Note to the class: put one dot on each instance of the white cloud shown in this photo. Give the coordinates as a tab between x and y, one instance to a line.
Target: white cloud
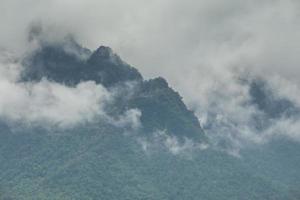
130	119
201	47
54	104
162	140
51	102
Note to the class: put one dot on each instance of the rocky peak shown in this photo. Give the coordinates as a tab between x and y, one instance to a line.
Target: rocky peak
162	108
103	52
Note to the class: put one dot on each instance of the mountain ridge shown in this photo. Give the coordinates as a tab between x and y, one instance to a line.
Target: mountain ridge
154	98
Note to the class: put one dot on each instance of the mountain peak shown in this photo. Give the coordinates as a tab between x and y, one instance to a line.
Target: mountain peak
69	63
104	51
105	54
158	82
162	108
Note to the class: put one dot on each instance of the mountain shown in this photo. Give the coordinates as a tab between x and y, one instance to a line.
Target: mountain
162	108
274	107
69	63
167	157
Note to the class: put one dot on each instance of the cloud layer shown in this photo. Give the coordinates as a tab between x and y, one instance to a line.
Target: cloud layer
54	104
202	47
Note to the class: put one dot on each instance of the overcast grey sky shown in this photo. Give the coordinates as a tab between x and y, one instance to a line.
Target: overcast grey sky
171	38
199	46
